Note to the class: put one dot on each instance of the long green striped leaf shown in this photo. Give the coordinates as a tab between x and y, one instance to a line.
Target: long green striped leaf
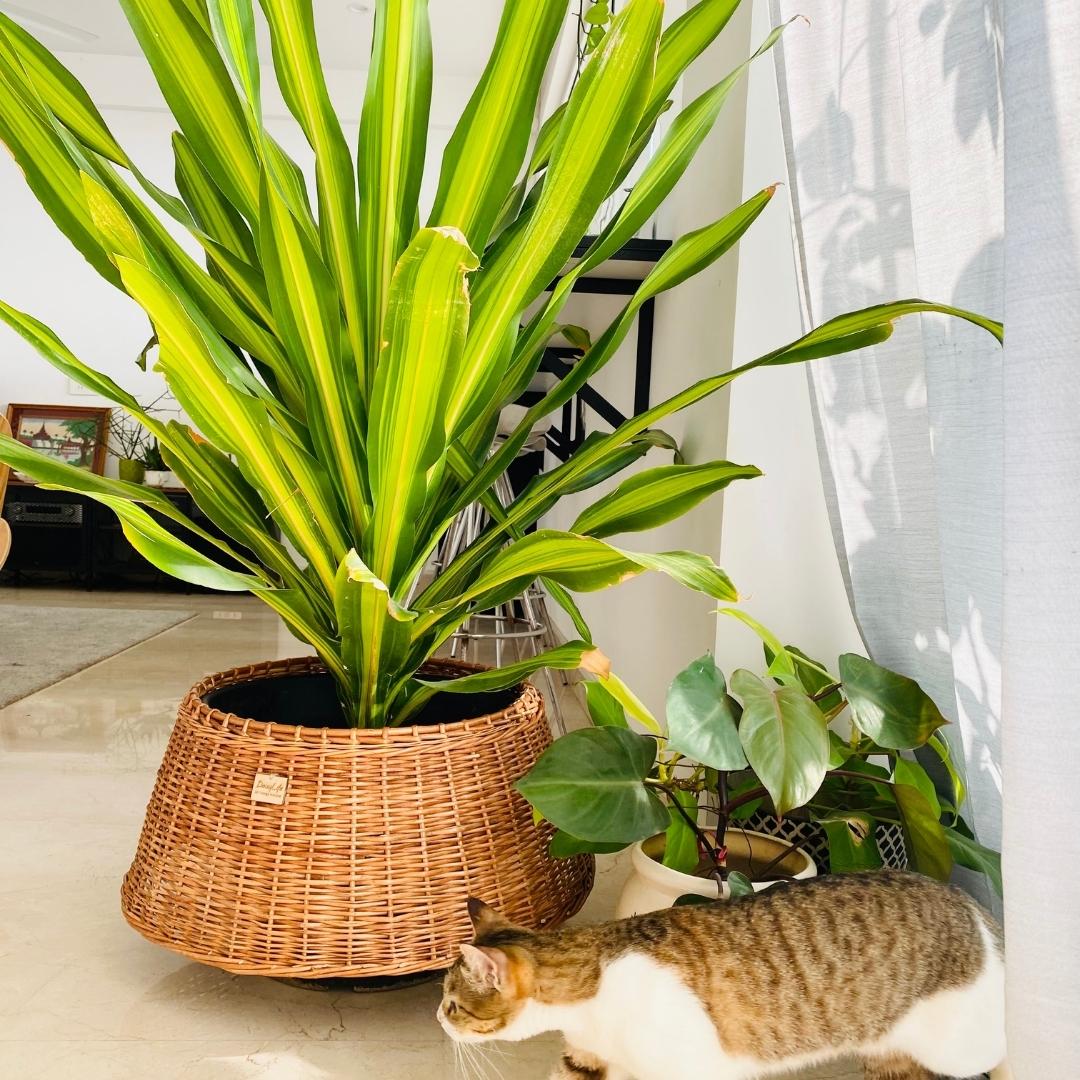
566	657
602	113
656	496
231	503
375	634
300	76
62	358
196	84
680	45
426	324
688	255
846	333
302	621
671	160
41	155
62	92
390	166
304	299
683	42
121	239
232	24
233	420
158	546
208	296
214	214
488	145
585	564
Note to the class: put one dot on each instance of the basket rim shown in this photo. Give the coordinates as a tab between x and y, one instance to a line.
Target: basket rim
194	710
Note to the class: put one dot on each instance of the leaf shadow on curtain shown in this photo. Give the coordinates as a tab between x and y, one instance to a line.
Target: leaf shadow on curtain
910	437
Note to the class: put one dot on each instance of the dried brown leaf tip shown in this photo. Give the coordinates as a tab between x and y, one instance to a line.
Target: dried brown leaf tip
596	663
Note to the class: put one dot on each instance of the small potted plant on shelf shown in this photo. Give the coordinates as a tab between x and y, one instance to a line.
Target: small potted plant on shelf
128	443
681	793
158	473
343	367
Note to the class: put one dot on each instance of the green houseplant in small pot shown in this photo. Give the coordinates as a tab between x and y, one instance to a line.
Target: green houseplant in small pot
343	367
731	745
157	471
128	443
886	738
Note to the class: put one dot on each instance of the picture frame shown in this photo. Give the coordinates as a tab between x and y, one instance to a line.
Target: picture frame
74	434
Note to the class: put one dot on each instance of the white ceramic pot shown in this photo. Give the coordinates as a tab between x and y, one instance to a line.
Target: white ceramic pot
652	886
162	478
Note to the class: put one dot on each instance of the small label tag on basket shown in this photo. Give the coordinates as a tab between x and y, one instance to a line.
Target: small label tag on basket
269	788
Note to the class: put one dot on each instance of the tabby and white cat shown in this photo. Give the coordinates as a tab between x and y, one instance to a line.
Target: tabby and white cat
892	967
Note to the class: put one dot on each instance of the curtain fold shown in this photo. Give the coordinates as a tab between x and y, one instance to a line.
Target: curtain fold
893	124
952	469
1042	538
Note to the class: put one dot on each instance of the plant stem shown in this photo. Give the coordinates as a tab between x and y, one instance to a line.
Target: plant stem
722	808
702	839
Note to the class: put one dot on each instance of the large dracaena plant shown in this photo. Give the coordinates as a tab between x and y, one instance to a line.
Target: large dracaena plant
342	366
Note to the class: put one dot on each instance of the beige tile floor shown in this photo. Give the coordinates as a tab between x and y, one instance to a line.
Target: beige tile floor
81	994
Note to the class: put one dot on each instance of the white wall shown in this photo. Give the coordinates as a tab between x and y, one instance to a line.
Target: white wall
777	545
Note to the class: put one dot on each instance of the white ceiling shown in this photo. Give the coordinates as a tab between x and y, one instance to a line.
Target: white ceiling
462	30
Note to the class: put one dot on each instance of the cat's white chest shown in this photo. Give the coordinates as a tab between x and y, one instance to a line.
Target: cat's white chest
641	1013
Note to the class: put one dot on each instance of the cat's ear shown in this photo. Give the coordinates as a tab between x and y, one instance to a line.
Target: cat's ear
484	919
488	967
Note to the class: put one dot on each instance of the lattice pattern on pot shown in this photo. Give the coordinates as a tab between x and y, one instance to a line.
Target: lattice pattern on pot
812	838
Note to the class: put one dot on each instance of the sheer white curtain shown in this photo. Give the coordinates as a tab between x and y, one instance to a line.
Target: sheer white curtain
952	469
1042	537
893	125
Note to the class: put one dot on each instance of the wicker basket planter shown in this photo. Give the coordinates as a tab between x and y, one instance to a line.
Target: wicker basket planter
365	866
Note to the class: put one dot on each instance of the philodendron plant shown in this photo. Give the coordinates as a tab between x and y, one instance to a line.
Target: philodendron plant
731	746
343	366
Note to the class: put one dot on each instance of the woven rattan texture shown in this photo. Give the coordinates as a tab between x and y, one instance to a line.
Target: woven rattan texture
366	867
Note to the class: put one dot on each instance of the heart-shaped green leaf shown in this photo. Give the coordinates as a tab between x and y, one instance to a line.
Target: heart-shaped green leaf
590	784
702	717
785	738
563	846
911	772
891	708
972	855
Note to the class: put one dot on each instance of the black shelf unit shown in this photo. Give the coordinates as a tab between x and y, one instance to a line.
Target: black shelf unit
62	536
567	434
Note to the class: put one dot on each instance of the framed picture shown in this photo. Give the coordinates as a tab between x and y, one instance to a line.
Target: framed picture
74	434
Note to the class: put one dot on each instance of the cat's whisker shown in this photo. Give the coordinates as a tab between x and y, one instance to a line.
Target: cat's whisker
469	1058
488	1051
